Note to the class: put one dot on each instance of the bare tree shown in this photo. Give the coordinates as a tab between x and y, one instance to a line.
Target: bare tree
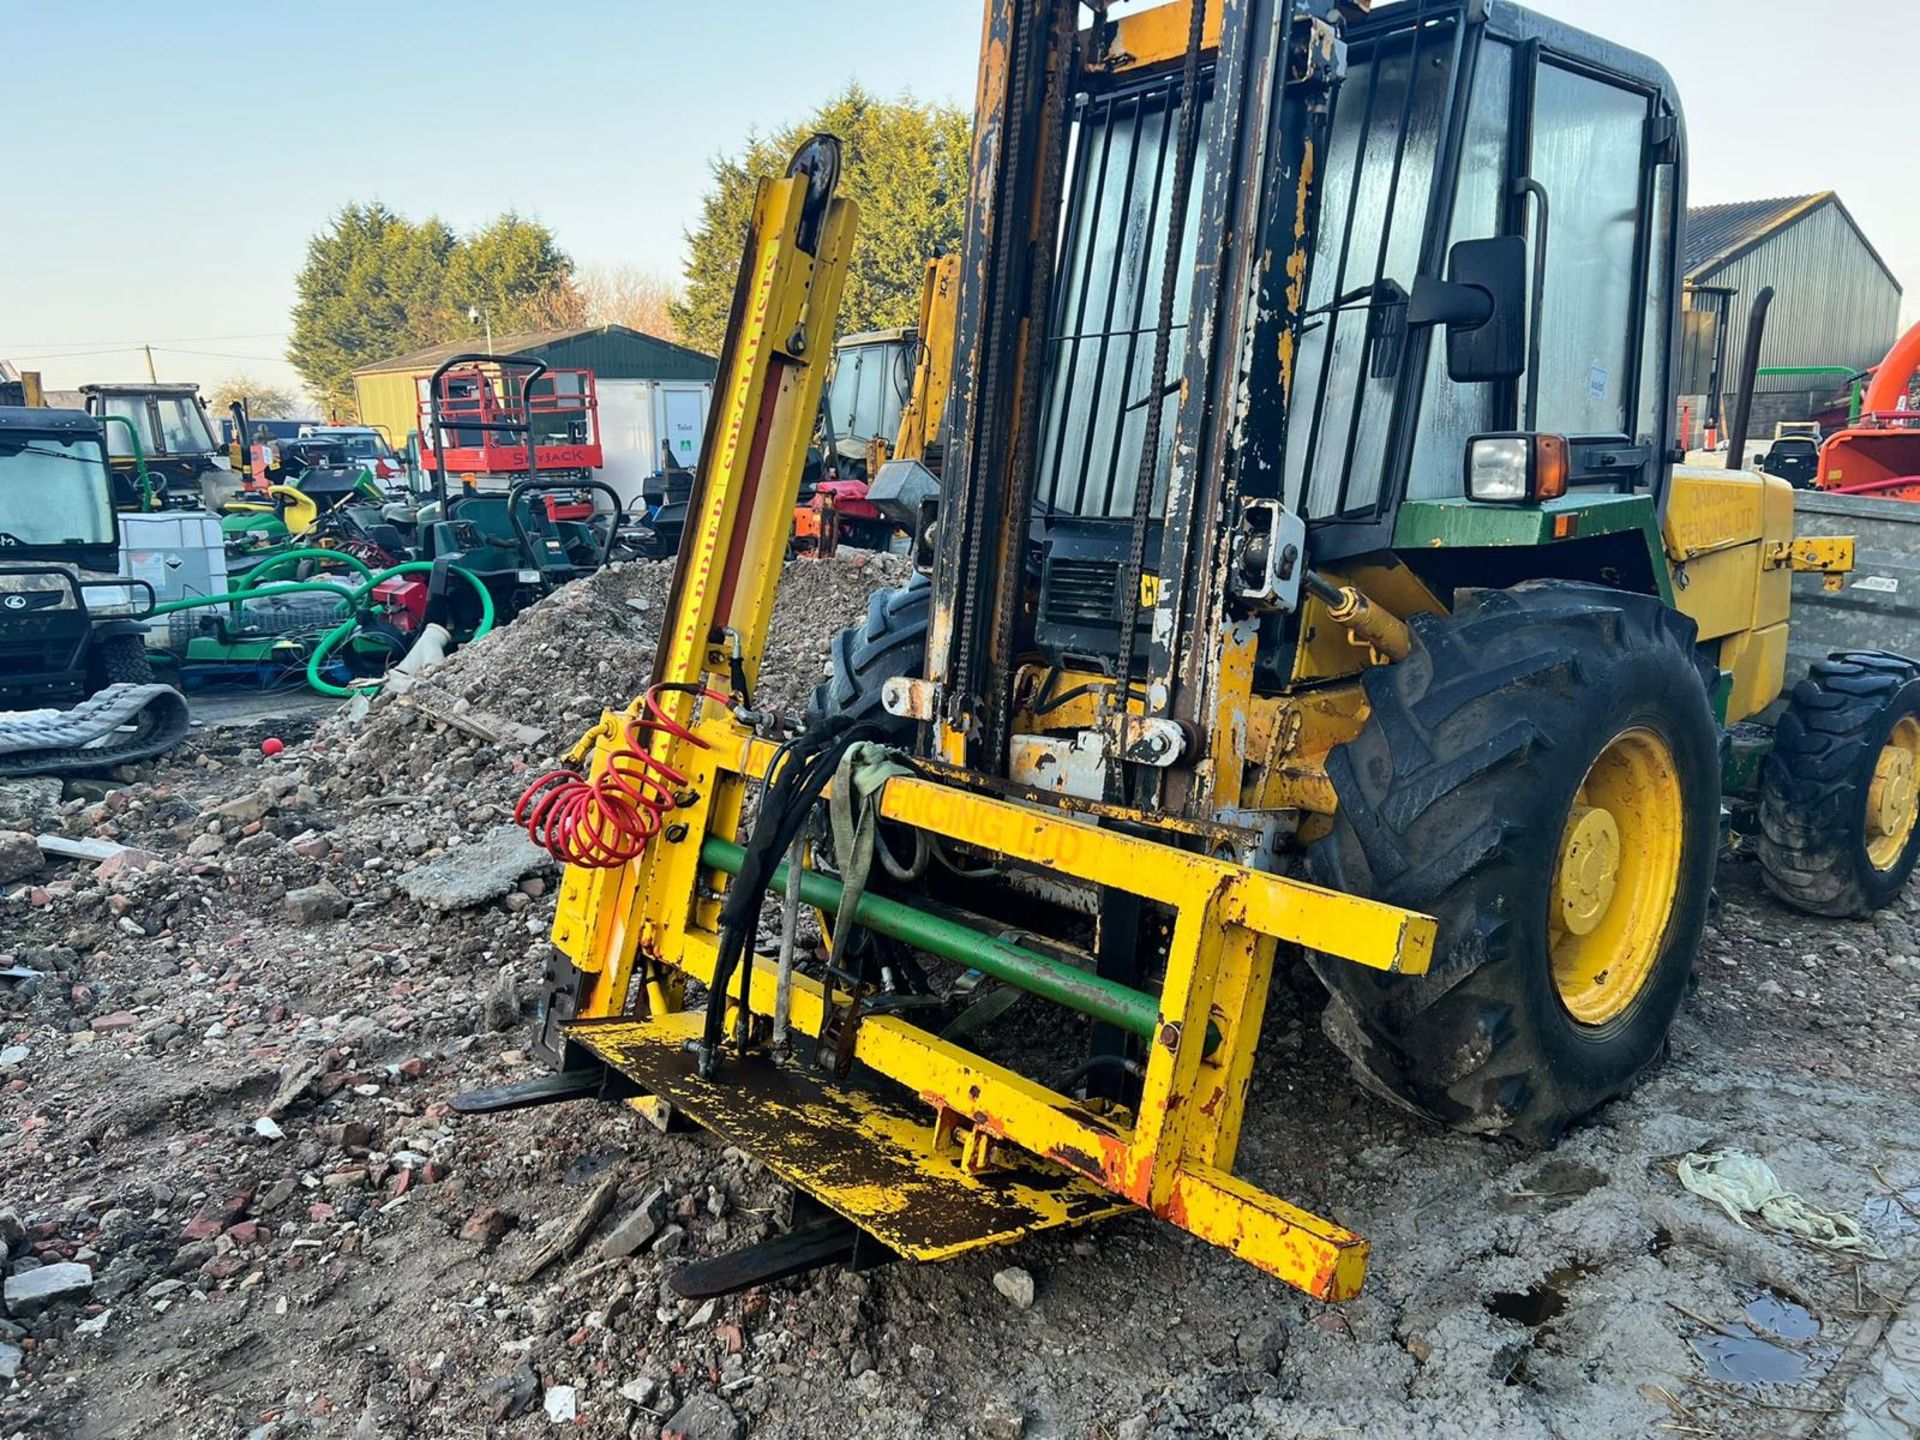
264	402
628	295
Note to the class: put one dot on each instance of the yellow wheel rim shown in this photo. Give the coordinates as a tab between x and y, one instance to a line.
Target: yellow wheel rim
1893	800
1617	875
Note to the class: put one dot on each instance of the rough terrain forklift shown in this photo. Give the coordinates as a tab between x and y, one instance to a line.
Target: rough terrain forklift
1313	574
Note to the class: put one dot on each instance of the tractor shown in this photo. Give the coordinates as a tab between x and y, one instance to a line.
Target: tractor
1313	575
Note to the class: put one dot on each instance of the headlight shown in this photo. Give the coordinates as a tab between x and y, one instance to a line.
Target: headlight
1497	469
1516	469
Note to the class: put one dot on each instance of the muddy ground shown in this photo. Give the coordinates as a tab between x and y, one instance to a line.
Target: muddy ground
223	1092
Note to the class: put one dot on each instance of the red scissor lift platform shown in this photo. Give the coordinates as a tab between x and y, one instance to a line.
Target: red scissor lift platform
480	435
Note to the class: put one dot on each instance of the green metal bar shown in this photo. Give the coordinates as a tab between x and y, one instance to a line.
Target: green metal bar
139	458
1126	1009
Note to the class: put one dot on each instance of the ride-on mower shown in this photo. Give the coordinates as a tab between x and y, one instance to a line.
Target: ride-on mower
1328	590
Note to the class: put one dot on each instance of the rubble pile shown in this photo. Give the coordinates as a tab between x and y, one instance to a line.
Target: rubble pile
236	995
465	739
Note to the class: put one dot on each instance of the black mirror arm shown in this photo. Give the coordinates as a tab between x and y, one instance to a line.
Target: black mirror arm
1446	302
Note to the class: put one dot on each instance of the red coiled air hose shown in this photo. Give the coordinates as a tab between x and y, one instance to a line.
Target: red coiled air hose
604	822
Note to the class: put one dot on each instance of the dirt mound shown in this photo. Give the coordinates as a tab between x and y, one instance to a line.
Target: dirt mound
518	699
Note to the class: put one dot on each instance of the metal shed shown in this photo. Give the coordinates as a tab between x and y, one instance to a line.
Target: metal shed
1836	302
652	391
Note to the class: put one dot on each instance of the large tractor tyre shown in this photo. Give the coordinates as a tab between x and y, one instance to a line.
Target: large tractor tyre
118	660
890	645
1840	794
1542	776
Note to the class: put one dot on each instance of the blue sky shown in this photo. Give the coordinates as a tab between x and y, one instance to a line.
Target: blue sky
187	152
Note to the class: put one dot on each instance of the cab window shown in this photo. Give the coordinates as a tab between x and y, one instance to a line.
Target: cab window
1588	152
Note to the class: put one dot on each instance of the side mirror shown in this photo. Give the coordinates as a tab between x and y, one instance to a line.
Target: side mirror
1483	304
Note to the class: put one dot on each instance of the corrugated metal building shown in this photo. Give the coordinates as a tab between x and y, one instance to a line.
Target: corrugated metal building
1836	303
651	391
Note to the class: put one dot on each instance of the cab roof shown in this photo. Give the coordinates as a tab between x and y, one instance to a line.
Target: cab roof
39	418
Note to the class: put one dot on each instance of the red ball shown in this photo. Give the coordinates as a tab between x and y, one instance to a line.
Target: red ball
272	745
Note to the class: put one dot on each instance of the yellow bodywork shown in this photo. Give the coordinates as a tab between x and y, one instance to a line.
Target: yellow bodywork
1048	1159
1729	539
926	406
297	509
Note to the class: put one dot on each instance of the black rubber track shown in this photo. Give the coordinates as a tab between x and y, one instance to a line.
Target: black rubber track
156	729
1453	802
1814	786
890	644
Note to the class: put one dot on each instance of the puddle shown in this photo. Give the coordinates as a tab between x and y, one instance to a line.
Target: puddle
1541	1304
1662	1241
1746	1359
1532	1308
1780	1316
1554	1184
1769	1349
1893	1217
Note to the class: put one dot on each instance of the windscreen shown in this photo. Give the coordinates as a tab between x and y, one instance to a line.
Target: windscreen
183	426
1113	253
365	447
132	409
53	491
1389	126
870	385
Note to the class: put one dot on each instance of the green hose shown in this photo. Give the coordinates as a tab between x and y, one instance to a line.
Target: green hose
234	597
258	573
350	598
345	629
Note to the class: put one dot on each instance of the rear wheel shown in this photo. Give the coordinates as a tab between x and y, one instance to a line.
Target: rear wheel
1541	776
1840	794
118	660
891	644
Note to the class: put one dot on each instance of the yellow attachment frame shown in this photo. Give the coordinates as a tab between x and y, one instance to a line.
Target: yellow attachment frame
1045	1158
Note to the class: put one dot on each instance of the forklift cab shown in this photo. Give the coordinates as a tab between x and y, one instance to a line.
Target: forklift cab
185	463
1489	256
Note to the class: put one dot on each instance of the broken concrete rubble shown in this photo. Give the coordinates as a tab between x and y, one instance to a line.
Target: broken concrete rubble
475	874
27	803
20	856
316	904
28	1292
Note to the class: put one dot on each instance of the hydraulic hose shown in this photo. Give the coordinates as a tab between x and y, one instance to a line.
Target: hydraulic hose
259	572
